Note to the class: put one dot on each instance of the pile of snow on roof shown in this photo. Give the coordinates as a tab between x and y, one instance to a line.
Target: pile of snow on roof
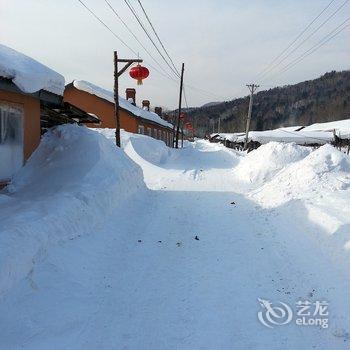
28	74
123	103
319	133
341	127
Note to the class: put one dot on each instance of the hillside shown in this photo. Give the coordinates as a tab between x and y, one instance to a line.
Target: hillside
320	100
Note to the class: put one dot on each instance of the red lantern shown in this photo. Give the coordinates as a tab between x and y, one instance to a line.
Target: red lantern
139	73
188	126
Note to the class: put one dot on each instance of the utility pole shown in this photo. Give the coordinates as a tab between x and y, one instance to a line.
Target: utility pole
174	129
180	101
117	74
252	88
182	134
219	125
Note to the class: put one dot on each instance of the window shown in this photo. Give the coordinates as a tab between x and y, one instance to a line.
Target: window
154	133
149	132
141	129
164	136
159	134
11	139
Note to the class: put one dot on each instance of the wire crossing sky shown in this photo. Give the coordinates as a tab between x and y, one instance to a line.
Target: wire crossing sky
223	43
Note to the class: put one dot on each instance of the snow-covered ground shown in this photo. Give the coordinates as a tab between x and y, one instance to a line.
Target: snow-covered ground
182	263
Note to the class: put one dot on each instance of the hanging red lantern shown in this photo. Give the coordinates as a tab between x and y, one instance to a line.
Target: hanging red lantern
139	73
188	126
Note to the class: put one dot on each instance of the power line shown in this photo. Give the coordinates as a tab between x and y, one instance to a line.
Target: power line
184	90
204	92
122	41
322	42
135	53
308	37
156	34
107	27
133	11
136	38
295	40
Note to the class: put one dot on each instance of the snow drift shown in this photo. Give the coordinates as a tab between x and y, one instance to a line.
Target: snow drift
323	170
69	185
265	162
146	148
139	147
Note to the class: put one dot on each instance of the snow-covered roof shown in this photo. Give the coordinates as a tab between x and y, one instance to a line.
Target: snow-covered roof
341	127
28	74
281	135
320	133
123	103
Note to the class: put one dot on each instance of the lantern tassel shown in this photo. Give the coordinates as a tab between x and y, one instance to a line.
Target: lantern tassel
139	81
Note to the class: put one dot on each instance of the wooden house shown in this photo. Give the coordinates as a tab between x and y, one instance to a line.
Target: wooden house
100	102
31	100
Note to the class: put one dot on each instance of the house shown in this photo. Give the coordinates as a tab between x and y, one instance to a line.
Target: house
31	100
100	102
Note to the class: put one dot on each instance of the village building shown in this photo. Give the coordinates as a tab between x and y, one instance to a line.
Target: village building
100	102
31	100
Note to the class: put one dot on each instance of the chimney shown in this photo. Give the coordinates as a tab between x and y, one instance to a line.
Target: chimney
131	95
145	104
158	110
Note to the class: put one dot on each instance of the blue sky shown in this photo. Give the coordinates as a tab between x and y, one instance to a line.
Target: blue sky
224	44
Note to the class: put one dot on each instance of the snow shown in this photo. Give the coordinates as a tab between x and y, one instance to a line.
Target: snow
323	170
123	103
68	186
265	162
341	127
28	74
134	276
282	135
320	133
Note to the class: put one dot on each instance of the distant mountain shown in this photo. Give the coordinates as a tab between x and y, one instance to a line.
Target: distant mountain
210	104
320	100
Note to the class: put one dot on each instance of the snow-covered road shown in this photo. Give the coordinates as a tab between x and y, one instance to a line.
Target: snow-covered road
180	266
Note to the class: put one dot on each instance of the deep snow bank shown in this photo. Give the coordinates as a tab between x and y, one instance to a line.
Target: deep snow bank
146	148
138	147
323	170
265	162
69	185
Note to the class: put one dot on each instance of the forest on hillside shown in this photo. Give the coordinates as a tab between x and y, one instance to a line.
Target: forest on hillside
320	100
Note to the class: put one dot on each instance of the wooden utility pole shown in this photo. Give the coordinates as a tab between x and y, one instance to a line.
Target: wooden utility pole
174	129
180	101
117	74
252	88
182	134
219	123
